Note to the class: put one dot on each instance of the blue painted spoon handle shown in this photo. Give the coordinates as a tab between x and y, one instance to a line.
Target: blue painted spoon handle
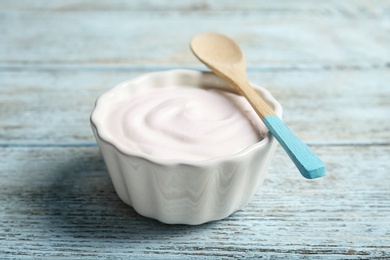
304	158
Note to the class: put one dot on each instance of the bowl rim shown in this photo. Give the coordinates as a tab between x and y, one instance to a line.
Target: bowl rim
164	161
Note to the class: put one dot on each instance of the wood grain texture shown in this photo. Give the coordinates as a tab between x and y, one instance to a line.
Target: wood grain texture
59	202
279	40
348	9
326	62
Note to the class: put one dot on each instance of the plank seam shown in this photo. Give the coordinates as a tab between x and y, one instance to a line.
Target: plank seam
127	67
45	144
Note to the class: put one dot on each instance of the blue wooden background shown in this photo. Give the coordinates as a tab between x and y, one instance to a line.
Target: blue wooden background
327	62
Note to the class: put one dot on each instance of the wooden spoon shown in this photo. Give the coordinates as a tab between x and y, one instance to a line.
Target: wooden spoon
225	58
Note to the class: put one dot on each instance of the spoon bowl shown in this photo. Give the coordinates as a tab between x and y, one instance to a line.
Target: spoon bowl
226	51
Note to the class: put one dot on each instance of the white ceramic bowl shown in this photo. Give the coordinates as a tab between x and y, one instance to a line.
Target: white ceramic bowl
179	191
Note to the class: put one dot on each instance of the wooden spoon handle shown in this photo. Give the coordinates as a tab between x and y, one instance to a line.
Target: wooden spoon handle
235	75
305	159
259	105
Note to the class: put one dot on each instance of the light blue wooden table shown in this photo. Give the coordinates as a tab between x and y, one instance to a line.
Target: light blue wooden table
327	62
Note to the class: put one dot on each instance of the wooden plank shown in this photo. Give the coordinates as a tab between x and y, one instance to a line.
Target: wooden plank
320	106
348	9
119	38
59	202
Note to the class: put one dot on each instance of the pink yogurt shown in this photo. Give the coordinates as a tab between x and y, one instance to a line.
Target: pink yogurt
180	122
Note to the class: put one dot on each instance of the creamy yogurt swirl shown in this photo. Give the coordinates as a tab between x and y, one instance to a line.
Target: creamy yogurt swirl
181	122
